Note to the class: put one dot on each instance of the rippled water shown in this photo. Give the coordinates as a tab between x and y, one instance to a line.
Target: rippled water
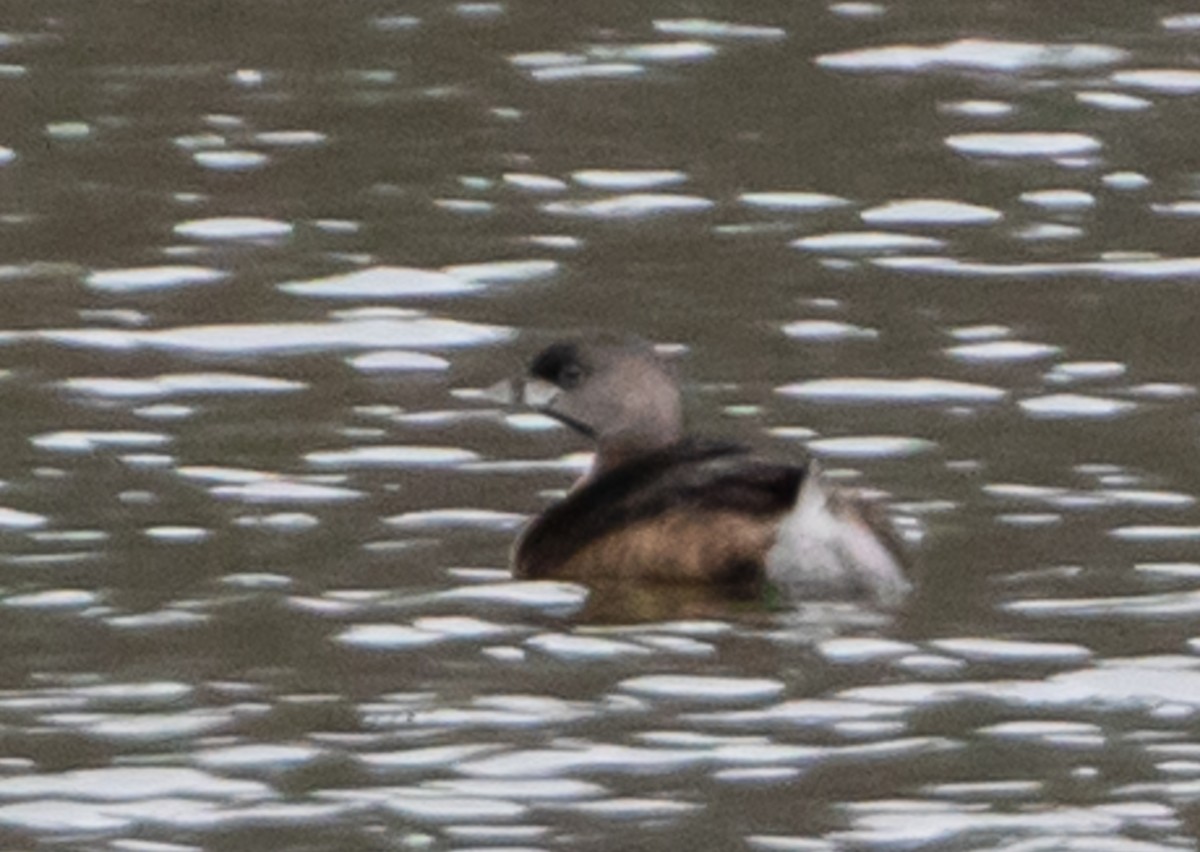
258	259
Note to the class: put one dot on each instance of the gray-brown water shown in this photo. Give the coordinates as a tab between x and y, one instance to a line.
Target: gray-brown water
255	259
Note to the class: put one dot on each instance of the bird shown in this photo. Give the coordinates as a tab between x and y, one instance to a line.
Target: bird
659	506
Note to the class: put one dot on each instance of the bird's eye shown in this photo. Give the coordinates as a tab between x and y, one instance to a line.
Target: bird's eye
570	376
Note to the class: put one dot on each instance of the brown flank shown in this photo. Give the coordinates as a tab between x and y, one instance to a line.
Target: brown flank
684	546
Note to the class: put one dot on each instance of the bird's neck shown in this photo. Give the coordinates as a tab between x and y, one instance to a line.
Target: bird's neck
616	451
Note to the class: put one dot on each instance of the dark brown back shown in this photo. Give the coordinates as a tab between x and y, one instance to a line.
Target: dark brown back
687	478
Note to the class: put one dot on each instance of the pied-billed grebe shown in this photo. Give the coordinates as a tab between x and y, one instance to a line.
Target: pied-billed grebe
659	506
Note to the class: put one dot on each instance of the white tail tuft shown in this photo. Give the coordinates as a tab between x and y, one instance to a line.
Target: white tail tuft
828	546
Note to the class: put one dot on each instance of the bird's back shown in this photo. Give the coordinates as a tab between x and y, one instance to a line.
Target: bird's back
693	512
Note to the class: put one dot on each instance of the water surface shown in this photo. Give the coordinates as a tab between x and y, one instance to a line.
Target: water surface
255	263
